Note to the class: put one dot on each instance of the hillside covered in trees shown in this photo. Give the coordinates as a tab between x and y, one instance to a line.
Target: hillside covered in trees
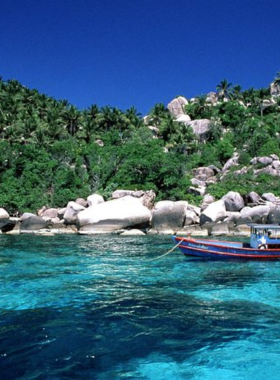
51	152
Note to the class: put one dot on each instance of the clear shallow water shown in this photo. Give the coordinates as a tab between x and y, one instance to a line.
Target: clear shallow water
81	307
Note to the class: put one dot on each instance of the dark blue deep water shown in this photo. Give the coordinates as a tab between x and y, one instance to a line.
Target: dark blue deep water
82	307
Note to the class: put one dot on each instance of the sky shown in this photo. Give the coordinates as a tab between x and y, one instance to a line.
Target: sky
125	53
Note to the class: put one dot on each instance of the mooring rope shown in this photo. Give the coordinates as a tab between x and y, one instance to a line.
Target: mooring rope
167	253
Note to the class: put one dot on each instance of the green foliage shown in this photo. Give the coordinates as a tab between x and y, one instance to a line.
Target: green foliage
50	153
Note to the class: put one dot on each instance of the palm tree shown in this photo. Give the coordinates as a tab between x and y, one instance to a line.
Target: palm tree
223	89
157	113
73	120
236	92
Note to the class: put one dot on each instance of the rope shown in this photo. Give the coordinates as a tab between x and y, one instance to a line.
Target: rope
167	253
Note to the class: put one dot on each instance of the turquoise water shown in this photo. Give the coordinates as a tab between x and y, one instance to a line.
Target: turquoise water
82	307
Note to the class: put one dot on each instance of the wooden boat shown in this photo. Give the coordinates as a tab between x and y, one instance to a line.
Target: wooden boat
264	244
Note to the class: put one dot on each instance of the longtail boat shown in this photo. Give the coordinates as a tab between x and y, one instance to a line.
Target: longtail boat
264	244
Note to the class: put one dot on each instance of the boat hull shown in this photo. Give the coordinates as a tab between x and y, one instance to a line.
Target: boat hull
223	249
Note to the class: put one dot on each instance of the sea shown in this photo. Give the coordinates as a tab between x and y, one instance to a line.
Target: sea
111	307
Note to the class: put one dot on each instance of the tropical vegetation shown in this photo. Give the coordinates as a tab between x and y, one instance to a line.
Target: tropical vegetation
52	152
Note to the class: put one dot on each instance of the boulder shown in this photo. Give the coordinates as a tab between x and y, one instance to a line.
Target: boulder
232	216
61	213
276	164
220	229
212	98
231	162
82	202
4	218
214	213
203	172
200	190
274	214
265	160
32	223
270	197
253	197
266	170
133	232
194	230
177	106
257	214
25	215
72	210
94	199
274	89
146	197
49	213
113	215
191	218
233	201
168	216
201	128
183	119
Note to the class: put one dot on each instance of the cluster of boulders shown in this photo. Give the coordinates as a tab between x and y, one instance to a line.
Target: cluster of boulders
135	212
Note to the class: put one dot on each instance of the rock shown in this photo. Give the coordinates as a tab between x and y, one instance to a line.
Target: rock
193	230
233	201
274	89
214	213
99	143
61	213
266	170
215	169
211	180
276	165
82	202
25	215
274	157
183	119
270	197
32	223
230	163
257	214
265	160
72	210
201	128
133	232
49	213
200	190
254	161
168	216
154	130
191	218
4	219
212	98
197	182
220	229
241	230
113	215
94	199
274	214
253	197
7	225
232	216
146	197
203	172
177	106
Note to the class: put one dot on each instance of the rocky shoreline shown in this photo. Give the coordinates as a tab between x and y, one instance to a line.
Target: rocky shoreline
136	213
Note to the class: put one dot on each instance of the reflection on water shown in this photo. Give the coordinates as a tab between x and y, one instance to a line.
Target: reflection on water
84	307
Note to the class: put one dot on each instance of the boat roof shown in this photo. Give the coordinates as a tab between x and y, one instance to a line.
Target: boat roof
264	226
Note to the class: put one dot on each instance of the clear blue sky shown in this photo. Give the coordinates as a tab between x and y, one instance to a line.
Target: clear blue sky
138	53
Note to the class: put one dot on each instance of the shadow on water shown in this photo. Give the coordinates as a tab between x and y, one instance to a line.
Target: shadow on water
85	309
